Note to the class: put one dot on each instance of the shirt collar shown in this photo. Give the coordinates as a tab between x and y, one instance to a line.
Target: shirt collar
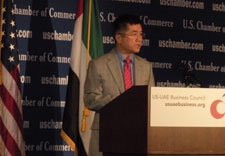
122	57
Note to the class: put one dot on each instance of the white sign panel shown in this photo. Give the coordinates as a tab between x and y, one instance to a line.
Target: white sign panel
187	107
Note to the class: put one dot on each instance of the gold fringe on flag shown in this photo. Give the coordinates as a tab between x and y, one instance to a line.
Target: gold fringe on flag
1	35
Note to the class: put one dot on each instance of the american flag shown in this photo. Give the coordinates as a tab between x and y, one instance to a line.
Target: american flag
11	114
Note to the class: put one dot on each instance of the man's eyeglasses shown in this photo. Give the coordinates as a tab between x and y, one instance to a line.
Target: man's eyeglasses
133	34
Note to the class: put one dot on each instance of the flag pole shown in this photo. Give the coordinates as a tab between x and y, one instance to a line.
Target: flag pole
89	25
87	112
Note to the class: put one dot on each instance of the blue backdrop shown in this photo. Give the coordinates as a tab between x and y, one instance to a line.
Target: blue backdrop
185	40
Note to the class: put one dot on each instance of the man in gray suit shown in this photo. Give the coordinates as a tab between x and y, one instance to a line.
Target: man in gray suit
106	75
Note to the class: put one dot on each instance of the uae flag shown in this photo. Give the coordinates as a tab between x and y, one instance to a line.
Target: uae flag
87	44
11	114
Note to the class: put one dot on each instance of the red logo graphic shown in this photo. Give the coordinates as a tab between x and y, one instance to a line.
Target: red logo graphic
214	110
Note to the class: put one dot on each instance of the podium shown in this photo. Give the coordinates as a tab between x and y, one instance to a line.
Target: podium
125	131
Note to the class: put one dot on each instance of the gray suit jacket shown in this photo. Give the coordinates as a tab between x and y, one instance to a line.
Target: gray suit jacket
104	81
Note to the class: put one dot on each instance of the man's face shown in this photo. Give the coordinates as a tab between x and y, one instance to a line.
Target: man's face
130	41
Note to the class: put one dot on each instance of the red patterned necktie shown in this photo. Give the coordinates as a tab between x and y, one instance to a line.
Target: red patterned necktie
128	73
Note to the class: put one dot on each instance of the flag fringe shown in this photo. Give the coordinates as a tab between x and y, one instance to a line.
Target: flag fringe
1	20
69	141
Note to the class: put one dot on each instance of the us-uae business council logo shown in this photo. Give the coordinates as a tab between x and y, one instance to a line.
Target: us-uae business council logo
216	109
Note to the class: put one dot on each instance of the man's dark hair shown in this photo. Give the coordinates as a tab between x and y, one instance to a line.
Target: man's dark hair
121	22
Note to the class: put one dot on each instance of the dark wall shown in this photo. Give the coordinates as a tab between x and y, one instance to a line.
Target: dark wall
184	40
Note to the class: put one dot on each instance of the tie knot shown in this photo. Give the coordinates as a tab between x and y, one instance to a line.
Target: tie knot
128	60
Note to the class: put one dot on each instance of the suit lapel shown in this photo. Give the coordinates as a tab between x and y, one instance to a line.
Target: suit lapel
138	71
114	67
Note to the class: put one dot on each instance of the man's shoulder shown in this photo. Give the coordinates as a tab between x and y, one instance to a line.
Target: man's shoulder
105	57
141	59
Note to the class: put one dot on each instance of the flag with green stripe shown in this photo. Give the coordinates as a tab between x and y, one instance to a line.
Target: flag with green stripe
87	44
